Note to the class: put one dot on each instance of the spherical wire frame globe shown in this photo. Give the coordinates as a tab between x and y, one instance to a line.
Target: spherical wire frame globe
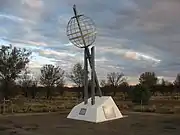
88	31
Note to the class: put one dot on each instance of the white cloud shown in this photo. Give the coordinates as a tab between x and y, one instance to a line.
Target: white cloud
33	3
129	54
15	18
140	56
138	35
38	61
52	52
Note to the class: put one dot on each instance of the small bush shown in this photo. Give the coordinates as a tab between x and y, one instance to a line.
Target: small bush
140	94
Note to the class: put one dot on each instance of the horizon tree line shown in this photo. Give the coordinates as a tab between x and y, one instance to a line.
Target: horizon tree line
14	71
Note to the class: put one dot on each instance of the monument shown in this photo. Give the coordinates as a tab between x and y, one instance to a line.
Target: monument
81	32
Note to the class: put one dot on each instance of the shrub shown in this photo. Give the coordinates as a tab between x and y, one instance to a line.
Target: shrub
140	94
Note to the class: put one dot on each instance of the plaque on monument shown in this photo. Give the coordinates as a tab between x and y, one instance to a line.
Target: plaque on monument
82	111
109	112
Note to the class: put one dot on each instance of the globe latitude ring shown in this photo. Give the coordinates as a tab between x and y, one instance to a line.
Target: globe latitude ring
87	26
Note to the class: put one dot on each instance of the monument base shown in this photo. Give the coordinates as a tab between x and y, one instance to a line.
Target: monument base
104	109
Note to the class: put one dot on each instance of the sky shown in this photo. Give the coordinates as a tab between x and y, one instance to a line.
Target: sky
133	36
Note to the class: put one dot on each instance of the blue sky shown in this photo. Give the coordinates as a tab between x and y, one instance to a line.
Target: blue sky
133	36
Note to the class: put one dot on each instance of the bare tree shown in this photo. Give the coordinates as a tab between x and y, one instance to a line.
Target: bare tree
51	76
177	83
115	79
12	61
103	83
77	75
148	79
26	81
165	82
34	87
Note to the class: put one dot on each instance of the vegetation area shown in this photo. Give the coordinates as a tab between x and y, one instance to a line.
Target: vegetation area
21	92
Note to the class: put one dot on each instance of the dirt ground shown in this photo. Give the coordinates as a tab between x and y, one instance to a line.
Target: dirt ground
56	124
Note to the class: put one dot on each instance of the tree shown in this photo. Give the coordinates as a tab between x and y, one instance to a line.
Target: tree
51	76
26	81
124	86
148	79
165	82
125	89
140	94
34	87
164	86
77	75
103	83
12	61
177	82
115	79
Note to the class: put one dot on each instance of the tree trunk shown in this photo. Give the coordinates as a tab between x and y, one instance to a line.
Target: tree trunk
48	94
6	90
114	93
25	92
33	93
79	95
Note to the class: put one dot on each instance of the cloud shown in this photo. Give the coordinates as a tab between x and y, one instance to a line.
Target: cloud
33	3
25	42
140	56
38	61
15	18
133	36
52	52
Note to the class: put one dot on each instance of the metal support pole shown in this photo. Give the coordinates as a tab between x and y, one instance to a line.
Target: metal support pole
88	56
85	78
77	19
92	77
96	79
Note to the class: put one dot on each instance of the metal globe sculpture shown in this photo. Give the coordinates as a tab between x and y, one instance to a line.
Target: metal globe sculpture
81	31
87	28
